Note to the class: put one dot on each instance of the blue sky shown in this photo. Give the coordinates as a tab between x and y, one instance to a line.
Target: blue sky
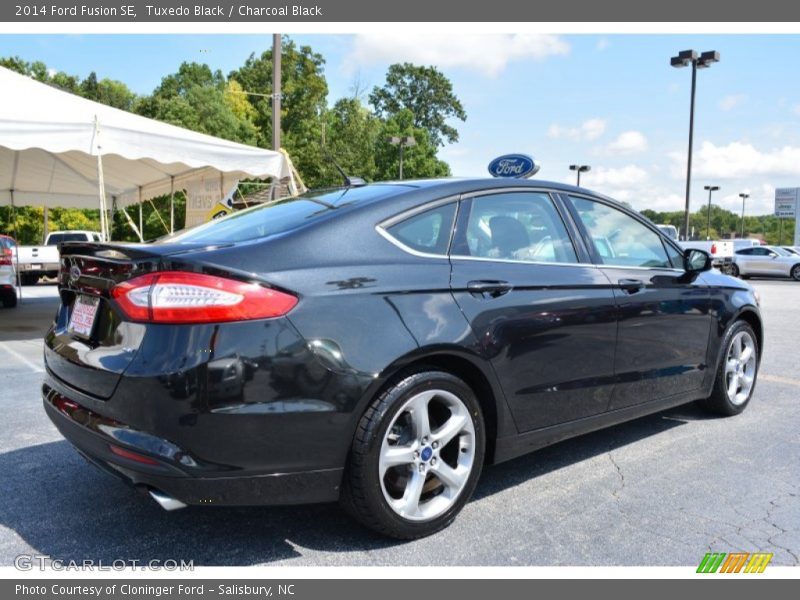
611	101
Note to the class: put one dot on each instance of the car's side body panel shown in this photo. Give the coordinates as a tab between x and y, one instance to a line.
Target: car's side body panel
279	400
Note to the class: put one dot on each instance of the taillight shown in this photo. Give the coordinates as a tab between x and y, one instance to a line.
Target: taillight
5	258
713	248
178	297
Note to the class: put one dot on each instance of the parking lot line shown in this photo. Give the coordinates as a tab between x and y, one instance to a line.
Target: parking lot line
779	379
32	365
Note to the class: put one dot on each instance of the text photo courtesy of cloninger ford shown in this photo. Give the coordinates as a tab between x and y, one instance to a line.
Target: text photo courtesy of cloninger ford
399	299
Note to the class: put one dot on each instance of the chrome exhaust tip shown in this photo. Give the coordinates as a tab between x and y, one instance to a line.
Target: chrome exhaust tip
166	502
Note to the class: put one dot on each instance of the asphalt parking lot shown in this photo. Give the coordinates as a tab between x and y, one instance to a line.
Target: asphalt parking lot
662	490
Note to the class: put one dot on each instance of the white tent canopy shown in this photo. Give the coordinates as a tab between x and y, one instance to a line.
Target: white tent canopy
57	148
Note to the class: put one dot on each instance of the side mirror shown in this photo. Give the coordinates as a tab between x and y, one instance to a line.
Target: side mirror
696	261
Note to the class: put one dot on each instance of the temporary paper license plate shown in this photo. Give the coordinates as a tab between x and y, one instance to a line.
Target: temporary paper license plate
36	267
81	322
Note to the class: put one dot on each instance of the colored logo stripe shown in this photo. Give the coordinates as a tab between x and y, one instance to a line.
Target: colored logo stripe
734	562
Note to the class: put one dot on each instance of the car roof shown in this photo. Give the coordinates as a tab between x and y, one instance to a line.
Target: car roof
486	182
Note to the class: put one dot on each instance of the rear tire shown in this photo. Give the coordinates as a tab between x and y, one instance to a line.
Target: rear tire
795	272
737	372
734	270
10	300
416	457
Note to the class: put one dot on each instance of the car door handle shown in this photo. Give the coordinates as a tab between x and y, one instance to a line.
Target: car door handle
631	285
494	289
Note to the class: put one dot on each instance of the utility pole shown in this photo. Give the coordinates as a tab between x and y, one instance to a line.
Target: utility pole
276	92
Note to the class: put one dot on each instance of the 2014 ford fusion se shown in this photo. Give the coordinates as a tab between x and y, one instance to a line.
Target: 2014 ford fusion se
380	344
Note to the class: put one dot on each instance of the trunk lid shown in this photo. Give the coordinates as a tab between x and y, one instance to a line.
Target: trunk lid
93	358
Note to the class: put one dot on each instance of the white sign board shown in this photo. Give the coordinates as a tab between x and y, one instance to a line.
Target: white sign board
787	206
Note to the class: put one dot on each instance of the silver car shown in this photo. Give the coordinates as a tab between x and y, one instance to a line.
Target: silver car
770	261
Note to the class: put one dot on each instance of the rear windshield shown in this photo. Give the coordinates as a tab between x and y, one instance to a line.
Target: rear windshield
279	217
57	238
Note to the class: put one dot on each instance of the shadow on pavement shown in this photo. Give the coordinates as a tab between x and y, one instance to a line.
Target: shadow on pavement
31	318
65	508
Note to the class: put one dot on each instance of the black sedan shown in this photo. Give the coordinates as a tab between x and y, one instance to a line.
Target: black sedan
380	344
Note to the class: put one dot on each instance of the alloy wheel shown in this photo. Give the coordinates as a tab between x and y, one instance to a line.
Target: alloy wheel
427	455
740	368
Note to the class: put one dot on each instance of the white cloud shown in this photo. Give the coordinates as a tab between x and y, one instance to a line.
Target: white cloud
732	101
634	185
602	44
616	178
489	53
591	129
760	202
739	160
628	142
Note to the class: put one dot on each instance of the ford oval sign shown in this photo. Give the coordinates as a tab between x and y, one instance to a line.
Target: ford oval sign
517	166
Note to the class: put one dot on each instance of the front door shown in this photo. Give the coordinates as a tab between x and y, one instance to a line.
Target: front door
664	315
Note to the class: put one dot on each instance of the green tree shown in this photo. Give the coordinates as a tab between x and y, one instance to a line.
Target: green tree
419	161
195	98
351	135
427	93
303	105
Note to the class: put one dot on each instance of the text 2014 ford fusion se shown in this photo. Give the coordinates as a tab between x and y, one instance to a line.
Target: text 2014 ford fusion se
380	344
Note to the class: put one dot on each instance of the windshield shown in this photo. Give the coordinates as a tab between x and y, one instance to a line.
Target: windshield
279	217
782	252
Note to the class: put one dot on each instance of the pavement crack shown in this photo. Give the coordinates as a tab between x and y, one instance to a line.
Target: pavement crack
620	474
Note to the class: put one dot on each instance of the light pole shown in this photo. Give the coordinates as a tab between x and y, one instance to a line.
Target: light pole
710	188
405	141
704	60
580	169
744	197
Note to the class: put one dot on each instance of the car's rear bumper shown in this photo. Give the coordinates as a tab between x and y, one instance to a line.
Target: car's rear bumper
153	464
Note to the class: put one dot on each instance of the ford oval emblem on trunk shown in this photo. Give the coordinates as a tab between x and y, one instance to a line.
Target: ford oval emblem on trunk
74	273
517	166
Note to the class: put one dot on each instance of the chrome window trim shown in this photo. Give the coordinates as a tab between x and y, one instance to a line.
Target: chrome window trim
522	262
394	241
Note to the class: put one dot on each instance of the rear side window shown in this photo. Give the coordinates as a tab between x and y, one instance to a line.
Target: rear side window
518	226
427	232
619	239
57	238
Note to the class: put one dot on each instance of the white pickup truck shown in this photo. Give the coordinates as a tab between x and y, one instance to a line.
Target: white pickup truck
44	261
721	251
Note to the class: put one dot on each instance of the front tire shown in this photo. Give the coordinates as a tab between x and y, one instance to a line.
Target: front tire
737	372
416	457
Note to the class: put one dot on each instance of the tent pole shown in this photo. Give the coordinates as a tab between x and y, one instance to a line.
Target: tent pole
172	204
100	182
111	220
16	240
141	229
14	172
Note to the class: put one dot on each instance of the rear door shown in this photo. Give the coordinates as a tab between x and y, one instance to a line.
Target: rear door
543	316
664	315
